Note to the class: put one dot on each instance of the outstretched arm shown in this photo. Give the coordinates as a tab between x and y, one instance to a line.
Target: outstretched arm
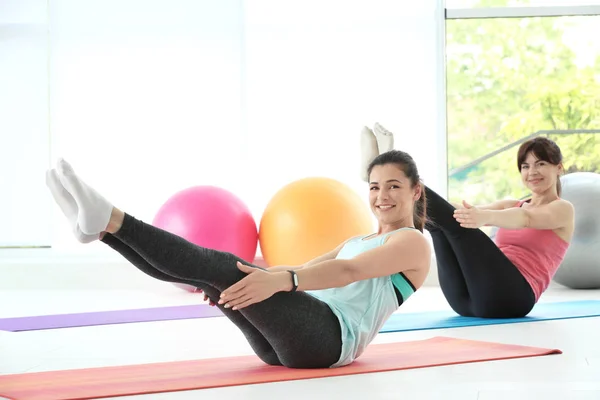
402	252
497	205
555	215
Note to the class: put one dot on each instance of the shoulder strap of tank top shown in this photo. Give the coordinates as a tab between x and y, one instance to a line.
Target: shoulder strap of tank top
385	235
521	202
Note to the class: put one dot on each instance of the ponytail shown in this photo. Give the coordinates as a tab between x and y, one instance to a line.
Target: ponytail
420	213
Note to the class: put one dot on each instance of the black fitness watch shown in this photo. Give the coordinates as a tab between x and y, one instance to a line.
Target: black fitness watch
294	280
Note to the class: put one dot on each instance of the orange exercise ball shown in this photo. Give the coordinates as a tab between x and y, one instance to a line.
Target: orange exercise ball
310	217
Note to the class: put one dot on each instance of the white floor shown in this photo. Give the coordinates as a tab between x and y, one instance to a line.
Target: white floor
51	289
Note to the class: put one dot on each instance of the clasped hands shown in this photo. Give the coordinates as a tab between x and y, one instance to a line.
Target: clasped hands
470	216
256	286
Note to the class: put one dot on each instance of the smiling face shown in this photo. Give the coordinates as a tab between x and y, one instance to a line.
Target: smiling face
392	195
538	175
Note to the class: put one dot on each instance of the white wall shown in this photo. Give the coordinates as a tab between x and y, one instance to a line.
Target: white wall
149	97
146	97
317	71
24	137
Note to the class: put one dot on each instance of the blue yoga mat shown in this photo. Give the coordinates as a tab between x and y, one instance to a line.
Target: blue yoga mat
448	319
397	323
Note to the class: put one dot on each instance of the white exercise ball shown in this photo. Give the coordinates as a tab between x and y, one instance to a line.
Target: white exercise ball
581	267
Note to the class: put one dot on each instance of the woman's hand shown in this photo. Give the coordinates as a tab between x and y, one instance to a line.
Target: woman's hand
257	286
470	216
210	302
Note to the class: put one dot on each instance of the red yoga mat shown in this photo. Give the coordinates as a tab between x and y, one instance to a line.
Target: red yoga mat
210	373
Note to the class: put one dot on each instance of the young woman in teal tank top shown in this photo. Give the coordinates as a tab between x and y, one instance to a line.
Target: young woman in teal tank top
317	315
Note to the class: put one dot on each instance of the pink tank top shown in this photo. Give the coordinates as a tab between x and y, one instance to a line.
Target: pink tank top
536	253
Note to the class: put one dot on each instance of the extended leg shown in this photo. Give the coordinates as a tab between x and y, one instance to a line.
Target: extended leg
257	341
302	330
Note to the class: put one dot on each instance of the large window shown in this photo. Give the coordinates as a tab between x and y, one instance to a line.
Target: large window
508	78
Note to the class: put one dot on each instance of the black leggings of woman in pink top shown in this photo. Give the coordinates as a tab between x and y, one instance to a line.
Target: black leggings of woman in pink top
477	279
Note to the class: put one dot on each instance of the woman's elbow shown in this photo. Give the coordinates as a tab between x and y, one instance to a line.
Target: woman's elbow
539	222
350	273
526	219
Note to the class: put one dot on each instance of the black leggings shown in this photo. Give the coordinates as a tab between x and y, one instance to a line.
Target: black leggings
477	279
295	330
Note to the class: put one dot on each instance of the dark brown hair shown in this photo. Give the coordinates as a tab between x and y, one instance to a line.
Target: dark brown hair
543	149
405	162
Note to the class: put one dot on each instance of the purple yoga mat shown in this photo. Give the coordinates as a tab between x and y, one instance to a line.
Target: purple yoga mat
40	322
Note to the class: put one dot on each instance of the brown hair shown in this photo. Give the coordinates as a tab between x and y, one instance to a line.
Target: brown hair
408	165
543	149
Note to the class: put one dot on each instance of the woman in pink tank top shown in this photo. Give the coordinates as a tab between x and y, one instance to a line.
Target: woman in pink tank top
533	235
480	278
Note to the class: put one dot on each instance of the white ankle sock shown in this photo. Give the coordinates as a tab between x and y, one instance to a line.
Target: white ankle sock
67	204
385	138
368	150
93	210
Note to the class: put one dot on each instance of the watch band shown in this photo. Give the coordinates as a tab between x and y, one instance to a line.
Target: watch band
294	280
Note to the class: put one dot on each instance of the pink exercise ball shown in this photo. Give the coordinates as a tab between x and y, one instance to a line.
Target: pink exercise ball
210	217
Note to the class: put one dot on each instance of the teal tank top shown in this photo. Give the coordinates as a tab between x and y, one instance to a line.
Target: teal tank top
363	307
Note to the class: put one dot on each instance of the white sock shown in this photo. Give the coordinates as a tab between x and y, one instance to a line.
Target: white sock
385	138
368	150
67	204
93	210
